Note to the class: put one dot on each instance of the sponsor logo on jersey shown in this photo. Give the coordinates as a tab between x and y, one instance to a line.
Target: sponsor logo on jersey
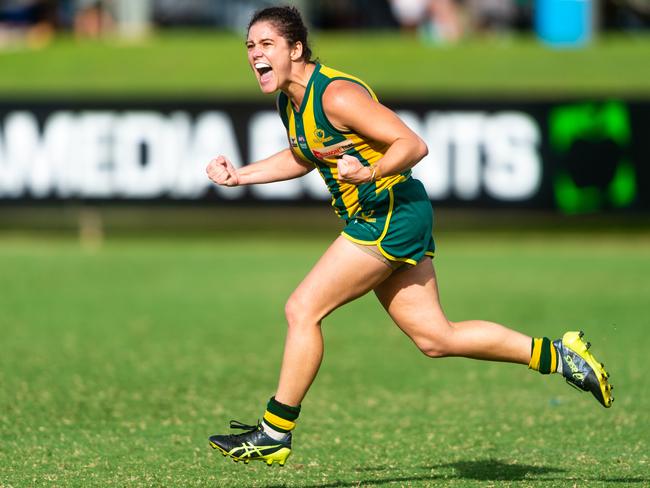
294	142
319	136
334	150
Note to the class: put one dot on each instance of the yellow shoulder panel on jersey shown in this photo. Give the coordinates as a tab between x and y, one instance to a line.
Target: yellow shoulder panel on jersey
333	73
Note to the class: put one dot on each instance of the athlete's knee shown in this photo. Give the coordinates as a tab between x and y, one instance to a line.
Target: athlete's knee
293	310
299	312
436	343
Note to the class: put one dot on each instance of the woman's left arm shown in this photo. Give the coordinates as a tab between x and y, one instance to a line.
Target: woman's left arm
349	107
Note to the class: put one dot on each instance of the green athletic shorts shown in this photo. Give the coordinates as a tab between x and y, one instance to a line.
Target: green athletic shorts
399	223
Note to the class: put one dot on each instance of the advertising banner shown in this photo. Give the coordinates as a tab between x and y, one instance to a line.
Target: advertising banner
573	156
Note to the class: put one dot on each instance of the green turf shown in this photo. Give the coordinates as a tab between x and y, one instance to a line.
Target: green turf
186	65
116	364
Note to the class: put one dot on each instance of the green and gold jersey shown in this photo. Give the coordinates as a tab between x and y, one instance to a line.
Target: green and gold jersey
313	139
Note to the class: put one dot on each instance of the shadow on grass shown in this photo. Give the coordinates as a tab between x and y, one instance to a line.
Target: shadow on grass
495	470
481	470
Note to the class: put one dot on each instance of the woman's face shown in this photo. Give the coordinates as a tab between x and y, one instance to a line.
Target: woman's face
269	55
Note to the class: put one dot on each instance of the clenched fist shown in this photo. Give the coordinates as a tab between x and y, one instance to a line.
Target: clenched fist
222	172
350	170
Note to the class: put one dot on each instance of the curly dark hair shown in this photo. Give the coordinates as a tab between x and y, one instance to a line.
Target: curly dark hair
288	21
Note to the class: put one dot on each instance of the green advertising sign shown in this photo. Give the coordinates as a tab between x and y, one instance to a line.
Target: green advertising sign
594	171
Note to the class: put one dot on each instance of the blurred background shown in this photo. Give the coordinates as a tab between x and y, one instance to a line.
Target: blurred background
141	306
441	20
110	109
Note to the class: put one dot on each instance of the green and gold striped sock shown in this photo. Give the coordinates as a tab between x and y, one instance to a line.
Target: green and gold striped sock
543	356
279	419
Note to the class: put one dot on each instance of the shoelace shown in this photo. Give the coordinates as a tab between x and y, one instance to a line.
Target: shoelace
236	424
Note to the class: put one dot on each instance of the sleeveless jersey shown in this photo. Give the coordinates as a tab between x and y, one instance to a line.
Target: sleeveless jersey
315	140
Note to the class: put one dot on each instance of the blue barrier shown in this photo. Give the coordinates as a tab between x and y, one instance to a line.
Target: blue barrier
564	23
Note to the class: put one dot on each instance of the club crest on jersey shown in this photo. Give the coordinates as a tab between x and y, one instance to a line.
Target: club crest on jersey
334	150
319	136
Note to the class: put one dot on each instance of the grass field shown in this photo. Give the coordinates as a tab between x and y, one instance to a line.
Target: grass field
189	65
116	364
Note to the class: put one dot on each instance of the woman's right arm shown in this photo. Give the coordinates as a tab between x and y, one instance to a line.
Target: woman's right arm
279	167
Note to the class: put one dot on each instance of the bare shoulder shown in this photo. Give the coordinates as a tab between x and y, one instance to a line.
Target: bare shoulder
344	92
340	96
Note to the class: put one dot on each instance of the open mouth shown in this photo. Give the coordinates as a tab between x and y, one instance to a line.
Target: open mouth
264	71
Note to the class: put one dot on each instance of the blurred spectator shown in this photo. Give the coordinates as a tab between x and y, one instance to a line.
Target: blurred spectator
96	18
410	14
30	21
436	20
445	21
490	16
34	22
133	19
229	14
92	18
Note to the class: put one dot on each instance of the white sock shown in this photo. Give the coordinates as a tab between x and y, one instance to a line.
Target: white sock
272	433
